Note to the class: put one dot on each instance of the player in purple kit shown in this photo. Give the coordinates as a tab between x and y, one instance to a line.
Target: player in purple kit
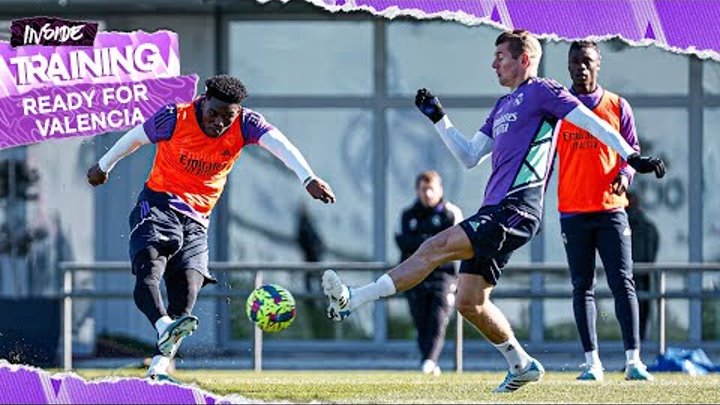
520	135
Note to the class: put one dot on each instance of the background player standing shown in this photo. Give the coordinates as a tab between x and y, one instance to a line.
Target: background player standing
430	301
593	180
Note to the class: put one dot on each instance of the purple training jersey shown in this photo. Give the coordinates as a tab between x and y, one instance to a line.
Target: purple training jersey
522	126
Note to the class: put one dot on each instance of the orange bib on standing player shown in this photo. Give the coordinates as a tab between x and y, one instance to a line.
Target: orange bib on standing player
588	166
192	165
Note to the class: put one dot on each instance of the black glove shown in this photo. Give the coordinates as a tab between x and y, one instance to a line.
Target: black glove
429	105
646	164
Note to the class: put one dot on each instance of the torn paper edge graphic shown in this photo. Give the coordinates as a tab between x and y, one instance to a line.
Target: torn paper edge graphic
26	384
644	27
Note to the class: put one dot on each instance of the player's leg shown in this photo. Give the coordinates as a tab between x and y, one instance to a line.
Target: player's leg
438	314
149	267
417	303
187	273
182	290
476	281
495	233
579	237
614	246
450	244
473	302
155	235
642	283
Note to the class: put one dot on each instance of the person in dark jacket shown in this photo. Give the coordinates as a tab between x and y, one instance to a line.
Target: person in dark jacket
645	244
311	244
431	300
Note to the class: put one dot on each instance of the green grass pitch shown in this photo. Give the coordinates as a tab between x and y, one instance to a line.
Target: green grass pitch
412	387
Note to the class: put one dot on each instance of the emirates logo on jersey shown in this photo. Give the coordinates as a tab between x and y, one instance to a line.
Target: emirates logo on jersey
201	167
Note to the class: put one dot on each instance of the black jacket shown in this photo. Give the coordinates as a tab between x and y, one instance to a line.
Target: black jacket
418	223
645	236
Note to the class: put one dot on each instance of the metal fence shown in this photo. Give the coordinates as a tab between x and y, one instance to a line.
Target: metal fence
536	292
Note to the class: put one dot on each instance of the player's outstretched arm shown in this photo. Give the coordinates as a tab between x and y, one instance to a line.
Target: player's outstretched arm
468	152
127	144
277	143
628	130
582	117
320	190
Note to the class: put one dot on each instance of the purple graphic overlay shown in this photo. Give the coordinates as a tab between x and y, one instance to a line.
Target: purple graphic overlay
28	385
21	386
689	26
52	31
115	57
87	109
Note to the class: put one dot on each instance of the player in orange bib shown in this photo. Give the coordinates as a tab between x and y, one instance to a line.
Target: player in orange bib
197	144
593	180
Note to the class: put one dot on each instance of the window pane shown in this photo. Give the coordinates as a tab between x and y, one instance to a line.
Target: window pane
265	199
711	216
64	212
449	58
711	191
626	69
663	133
265	195
305	58
553	246
711	76
558	315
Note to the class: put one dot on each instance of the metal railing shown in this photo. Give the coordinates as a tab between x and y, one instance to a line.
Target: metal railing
536	293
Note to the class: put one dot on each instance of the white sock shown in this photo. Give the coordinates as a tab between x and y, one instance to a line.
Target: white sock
159	365
162	324
515	355
592	358
428	366
632	356
383	287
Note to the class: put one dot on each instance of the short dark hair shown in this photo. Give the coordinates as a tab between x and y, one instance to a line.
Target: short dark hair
520	41
225	88
427	177
578	45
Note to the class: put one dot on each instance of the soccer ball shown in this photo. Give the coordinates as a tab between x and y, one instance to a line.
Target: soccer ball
271	307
